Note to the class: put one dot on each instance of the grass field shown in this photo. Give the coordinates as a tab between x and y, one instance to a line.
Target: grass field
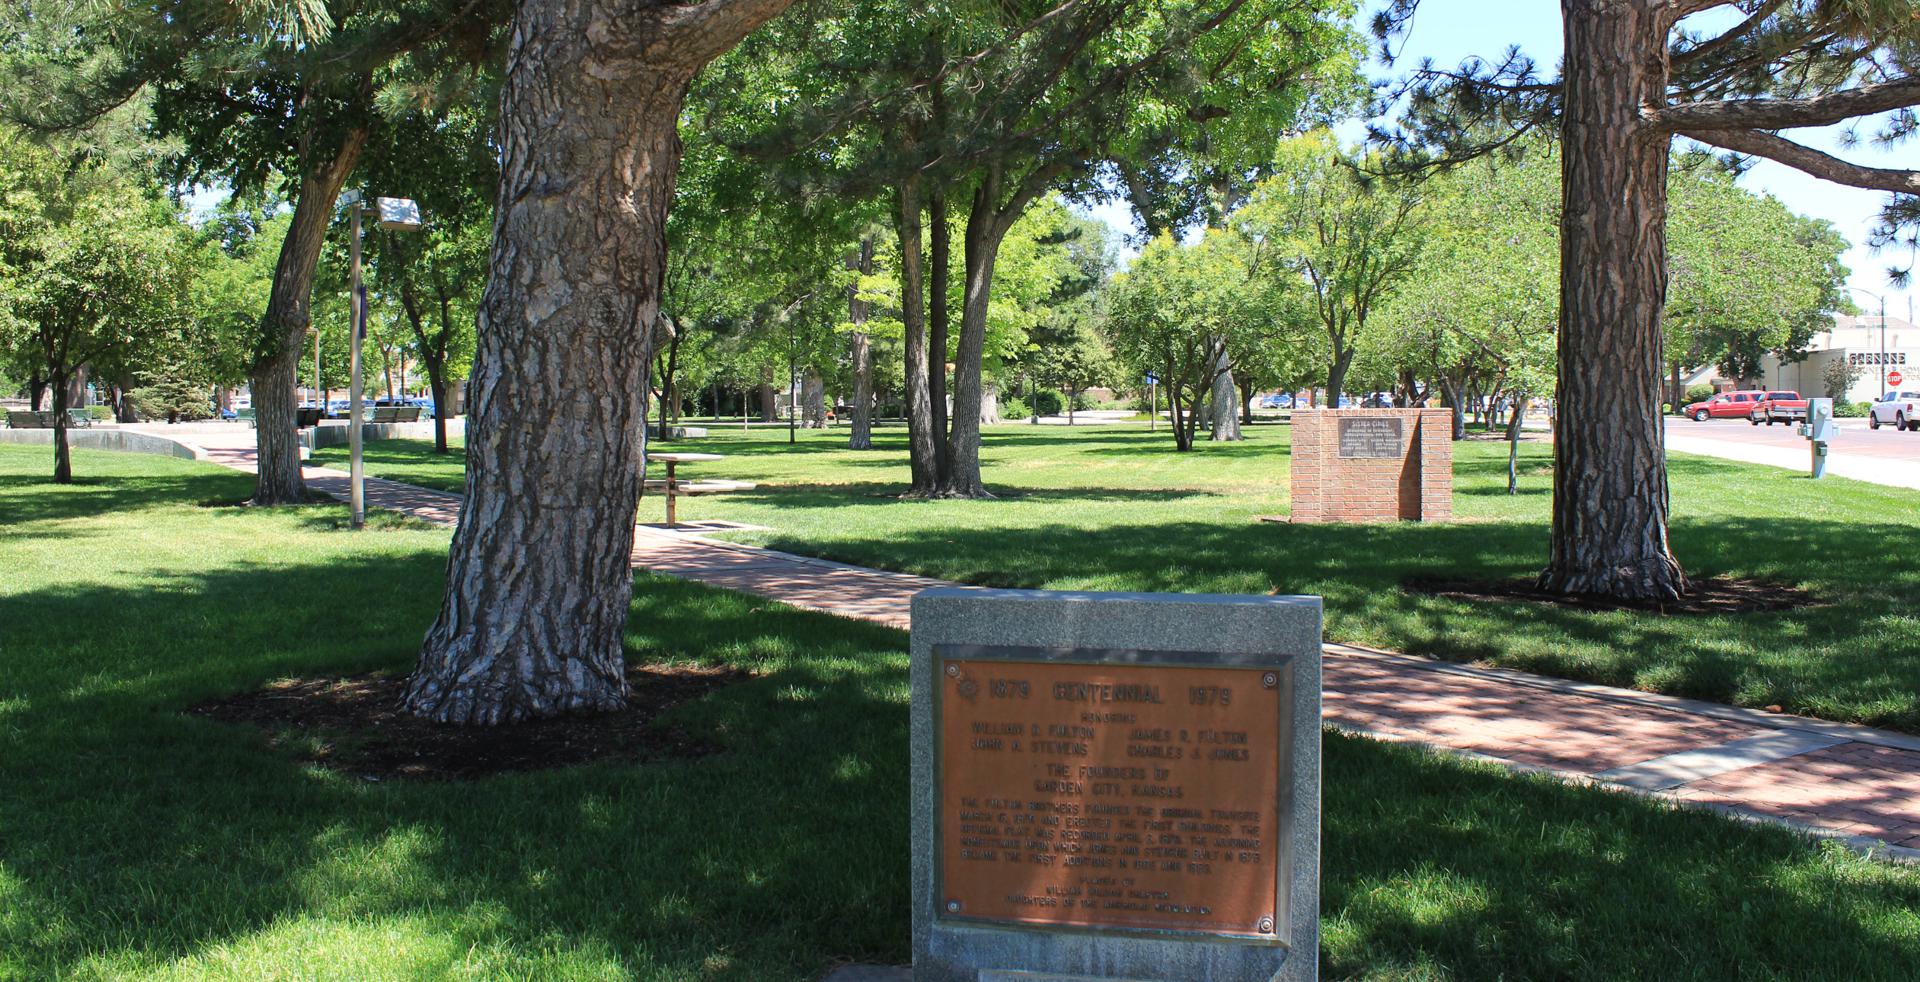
140	843
1113	508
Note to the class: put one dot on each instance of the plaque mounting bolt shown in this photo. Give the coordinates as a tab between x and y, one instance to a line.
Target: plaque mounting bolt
953	906
1265	926
953	671
1270	680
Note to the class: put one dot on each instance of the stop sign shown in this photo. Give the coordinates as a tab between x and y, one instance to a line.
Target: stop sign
1894	377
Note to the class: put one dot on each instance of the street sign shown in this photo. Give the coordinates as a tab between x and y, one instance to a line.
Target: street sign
1895	378
1152	378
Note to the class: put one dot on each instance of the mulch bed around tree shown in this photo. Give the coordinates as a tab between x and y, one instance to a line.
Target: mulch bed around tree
1716	595
355	725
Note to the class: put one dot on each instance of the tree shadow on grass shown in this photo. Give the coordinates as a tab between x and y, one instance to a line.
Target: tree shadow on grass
139	836
25	499
136	837
1852	661
1440	869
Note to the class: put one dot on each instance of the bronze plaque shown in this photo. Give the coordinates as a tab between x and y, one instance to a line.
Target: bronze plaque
1371	436
1111	795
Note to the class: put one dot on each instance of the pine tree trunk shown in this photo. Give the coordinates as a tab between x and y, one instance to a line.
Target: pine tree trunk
922	437
1225	402
1610	478
539	580
861	435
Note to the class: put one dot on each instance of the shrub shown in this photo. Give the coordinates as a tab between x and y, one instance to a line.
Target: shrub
1048	402
172	400
100	414
1014	408
1852	410
1699	393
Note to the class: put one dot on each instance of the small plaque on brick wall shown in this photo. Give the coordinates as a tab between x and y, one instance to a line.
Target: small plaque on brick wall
1371	436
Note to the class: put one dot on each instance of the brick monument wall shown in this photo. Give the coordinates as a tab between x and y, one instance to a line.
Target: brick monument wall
1374	481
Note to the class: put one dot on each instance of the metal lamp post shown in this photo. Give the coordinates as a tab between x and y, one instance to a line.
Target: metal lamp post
397	215
1883	336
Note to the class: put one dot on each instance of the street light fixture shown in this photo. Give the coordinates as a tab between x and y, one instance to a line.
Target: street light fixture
397	215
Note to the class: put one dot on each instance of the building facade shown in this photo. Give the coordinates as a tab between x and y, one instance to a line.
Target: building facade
1876	349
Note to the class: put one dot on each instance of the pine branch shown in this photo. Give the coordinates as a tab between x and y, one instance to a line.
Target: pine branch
1822	165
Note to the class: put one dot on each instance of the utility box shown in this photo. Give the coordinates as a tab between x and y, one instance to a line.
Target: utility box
1820	430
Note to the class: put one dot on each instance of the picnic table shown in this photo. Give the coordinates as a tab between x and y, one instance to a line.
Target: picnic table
676	488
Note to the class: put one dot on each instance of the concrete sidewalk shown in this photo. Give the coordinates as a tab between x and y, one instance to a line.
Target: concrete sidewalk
1851	782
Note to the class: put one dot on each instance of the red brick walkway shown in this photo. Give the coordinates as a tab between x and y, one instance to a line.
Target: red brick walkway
1830	778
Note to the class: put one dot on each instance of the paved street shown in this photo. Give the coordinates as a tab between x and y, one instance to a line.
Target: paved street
1884	456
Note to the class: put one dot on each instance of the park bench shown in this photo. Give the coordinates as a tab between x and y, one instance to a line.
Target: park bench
21	419
247	416
675	489
395	414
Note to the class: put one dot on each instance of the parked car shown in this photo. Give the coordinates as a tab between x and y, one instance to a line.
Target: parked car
1899	409
1779	407
1726	405
1279	400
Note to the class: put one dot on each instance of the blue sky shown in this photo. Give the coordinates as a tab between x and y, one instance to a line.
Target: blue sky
1450	30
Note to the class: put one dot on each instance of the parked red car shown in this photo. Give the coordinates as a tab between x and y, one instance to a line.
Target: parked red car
1779	407
1726	405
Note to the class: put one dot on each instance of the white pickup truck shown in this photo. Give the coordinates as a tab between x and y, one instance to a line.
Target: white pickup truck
1900	410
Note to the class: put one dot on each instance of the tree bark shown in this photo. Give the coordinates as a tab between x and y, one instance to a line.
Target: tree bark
36	389
1450	397
769	402
858	310
77	386
62	453
1337	375
1246	400
539	580
1513	444
1225	402
1610	499
284	325
922	438
939	318
987	226
813	395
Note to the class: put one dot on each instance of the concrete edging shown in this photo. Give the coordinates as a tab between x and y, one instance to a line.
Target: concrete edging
121	441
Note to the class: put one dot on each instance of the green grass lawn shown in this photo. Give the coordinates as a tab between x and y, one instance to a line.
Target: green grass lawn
1113	508
140	843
